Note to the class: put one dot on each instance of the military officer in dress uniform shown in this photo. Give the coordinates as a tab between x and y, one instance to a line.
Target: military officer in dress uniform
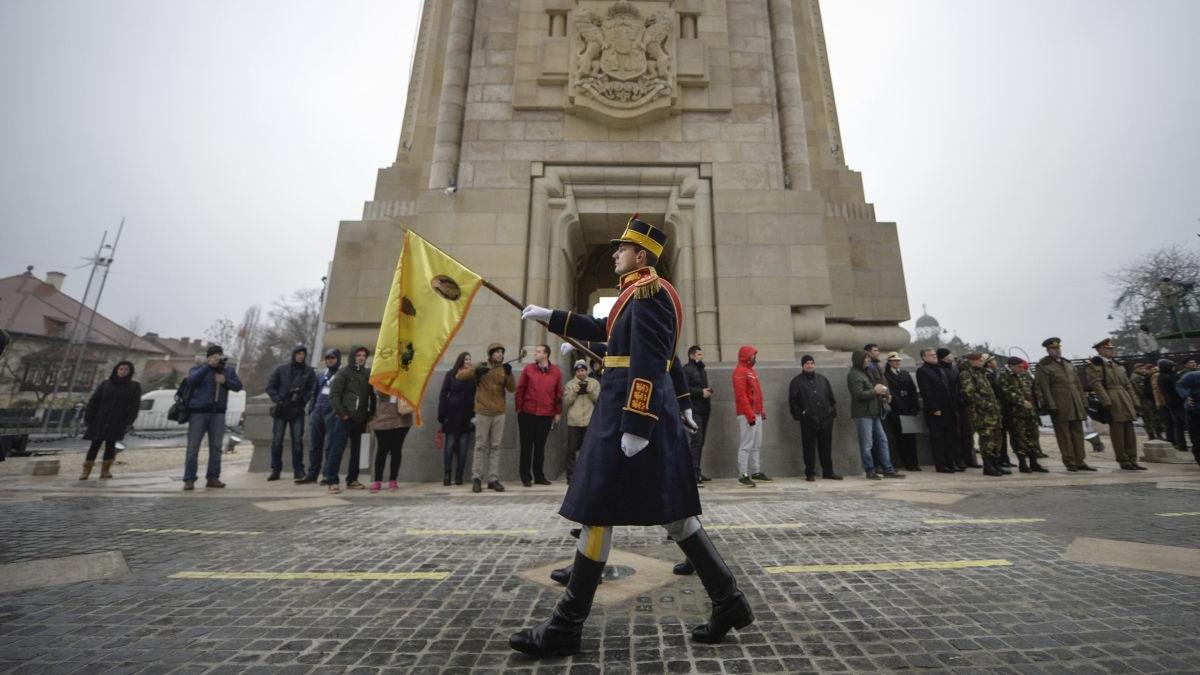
1059	391
1112	386
635	467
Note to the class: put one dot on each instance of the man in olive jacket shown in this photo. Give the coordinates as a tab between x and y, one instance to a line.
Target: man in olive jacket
866	401
353	401
492	380
1060	393
1112	386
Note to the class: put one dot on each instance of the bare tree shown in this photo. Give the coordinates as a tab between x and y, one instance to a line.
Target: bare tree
292	321
221	331
1140	300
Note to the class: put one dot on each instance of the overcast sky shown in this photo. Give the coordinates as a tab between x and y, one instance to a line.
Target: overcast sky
1023	147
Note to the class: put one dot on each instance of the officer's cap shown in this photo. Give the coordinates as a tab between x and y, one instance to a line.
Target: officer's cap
643	234
894	356
1106	342
1051	342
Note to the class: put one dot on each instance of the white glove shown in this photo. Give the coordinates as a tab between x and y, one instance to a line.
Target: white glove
565	348
689	422
535	313
632	445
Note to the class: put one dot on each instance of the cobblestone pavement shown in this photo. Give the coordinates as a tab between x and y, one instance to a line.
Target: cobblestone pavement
1037	614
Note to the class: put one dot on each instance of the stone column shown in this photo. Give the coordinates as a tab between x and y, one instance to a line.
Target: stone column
683	270
455	68
792	131
705	274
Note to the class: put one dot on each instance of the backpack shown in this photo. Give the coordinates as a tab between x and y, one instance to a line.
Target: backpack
179	411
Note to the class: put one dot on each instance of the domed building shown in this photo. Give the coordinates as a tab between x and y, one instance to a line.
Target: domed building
927	327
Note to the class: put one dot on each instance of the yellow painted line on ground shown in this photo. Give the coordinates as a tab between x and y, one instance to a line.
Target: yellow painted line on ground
158	530
981	521
431	533
1176	515
913	565
315	576
754	526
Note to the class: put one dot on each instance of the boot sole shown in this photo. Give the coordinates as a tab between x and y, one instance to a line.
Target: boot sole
742	622
532	650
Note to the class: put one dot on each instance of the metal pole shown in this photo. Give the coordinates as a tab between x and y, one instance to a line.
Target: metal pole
107	263
71	339
318	355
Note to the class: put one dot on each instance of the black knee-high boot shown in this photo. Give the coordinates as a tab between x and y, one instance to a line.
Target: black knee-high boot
729	607
561	633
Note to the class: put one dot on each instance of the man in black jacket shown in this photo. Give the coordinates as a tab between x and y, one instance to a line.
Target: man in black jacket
904	403
810	399
290	387
940	399
701	395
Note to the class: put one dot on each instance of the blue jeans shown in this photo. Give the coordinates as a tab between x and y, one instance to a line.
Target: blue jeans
870	432
200	424
320	424
339	433
456	446
296	428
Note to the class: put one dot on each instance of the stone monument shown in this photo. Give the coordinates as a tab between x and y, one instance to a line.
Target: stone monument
534	128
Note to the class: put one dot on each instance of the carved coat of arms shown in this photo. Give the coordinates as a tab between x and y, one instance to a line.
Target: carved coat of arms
622	59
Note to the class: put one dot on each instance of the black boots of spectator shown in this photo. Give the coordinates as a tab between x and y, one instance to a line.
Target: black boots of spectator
560	635
729	607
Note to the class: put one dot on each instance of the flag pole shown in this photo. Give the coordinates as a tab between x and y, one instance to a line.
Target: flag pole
515	303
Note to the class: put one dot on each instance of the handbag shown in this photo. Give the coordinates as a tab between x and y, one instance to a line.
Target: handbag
179	411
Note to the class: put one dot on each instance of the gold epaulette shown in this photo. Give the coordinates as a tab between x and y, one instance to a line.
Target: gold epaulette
647	288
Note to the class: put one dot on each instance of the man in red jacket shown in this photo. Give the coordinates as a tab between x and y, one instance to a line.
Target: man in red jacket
539	405
747	394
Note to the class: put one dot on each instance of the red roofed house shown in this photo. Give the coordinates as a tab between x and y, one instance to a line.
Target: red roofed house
39	318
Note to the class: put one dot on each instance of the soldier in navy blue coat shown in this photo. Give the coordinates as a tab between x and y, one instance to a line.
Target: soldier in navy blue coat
635	467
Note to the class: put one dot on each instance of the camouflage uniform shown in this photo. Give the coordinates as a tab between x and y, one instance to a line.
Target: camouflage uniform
983	408
1149	411
1015	389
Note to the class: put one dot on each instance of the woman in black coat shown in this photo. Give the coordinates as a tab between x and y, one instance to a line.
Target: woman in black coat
111	410
456	407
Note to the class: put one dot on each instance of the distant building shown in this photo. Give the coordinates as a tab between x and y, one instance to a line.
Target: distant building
39	317
178	355
929	334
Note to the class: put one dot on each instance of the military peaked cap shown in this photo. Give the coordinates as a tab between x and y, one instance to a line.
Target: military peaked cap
1106	342
643	234
1051	342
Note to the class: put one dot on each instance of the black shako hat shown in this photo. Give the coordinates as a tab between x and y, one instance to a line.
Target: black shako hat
643	234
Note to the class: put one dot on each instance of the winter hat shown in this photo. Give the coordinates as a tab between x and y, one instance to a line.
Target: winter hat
942	353
1016	361
213	349
581	364
807	358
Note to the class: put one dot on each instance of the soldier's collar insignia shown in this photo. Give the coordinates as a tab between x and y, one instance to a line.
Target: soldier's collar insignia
639	276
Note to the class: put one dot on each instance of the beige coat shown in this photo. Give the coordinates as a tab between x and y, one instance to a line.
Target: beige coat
390	413
579	408
1112	386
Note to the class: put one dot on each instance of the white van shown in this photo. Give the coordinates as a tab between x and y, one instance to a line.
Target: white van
153	410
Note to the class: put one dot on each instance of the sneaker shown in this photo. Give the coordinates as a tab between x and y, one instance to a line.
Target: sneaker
355	485
375	486
393	485
189	485
894	474
761	477
214	483
745	480
874	476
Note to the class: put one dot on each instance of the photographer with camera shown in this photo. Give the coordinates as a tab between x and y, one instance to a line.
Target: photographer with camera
579	397
290	387
209	383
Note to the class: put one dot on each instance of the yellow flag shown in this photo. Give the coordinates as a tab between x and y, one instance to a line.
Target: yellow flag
431	293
